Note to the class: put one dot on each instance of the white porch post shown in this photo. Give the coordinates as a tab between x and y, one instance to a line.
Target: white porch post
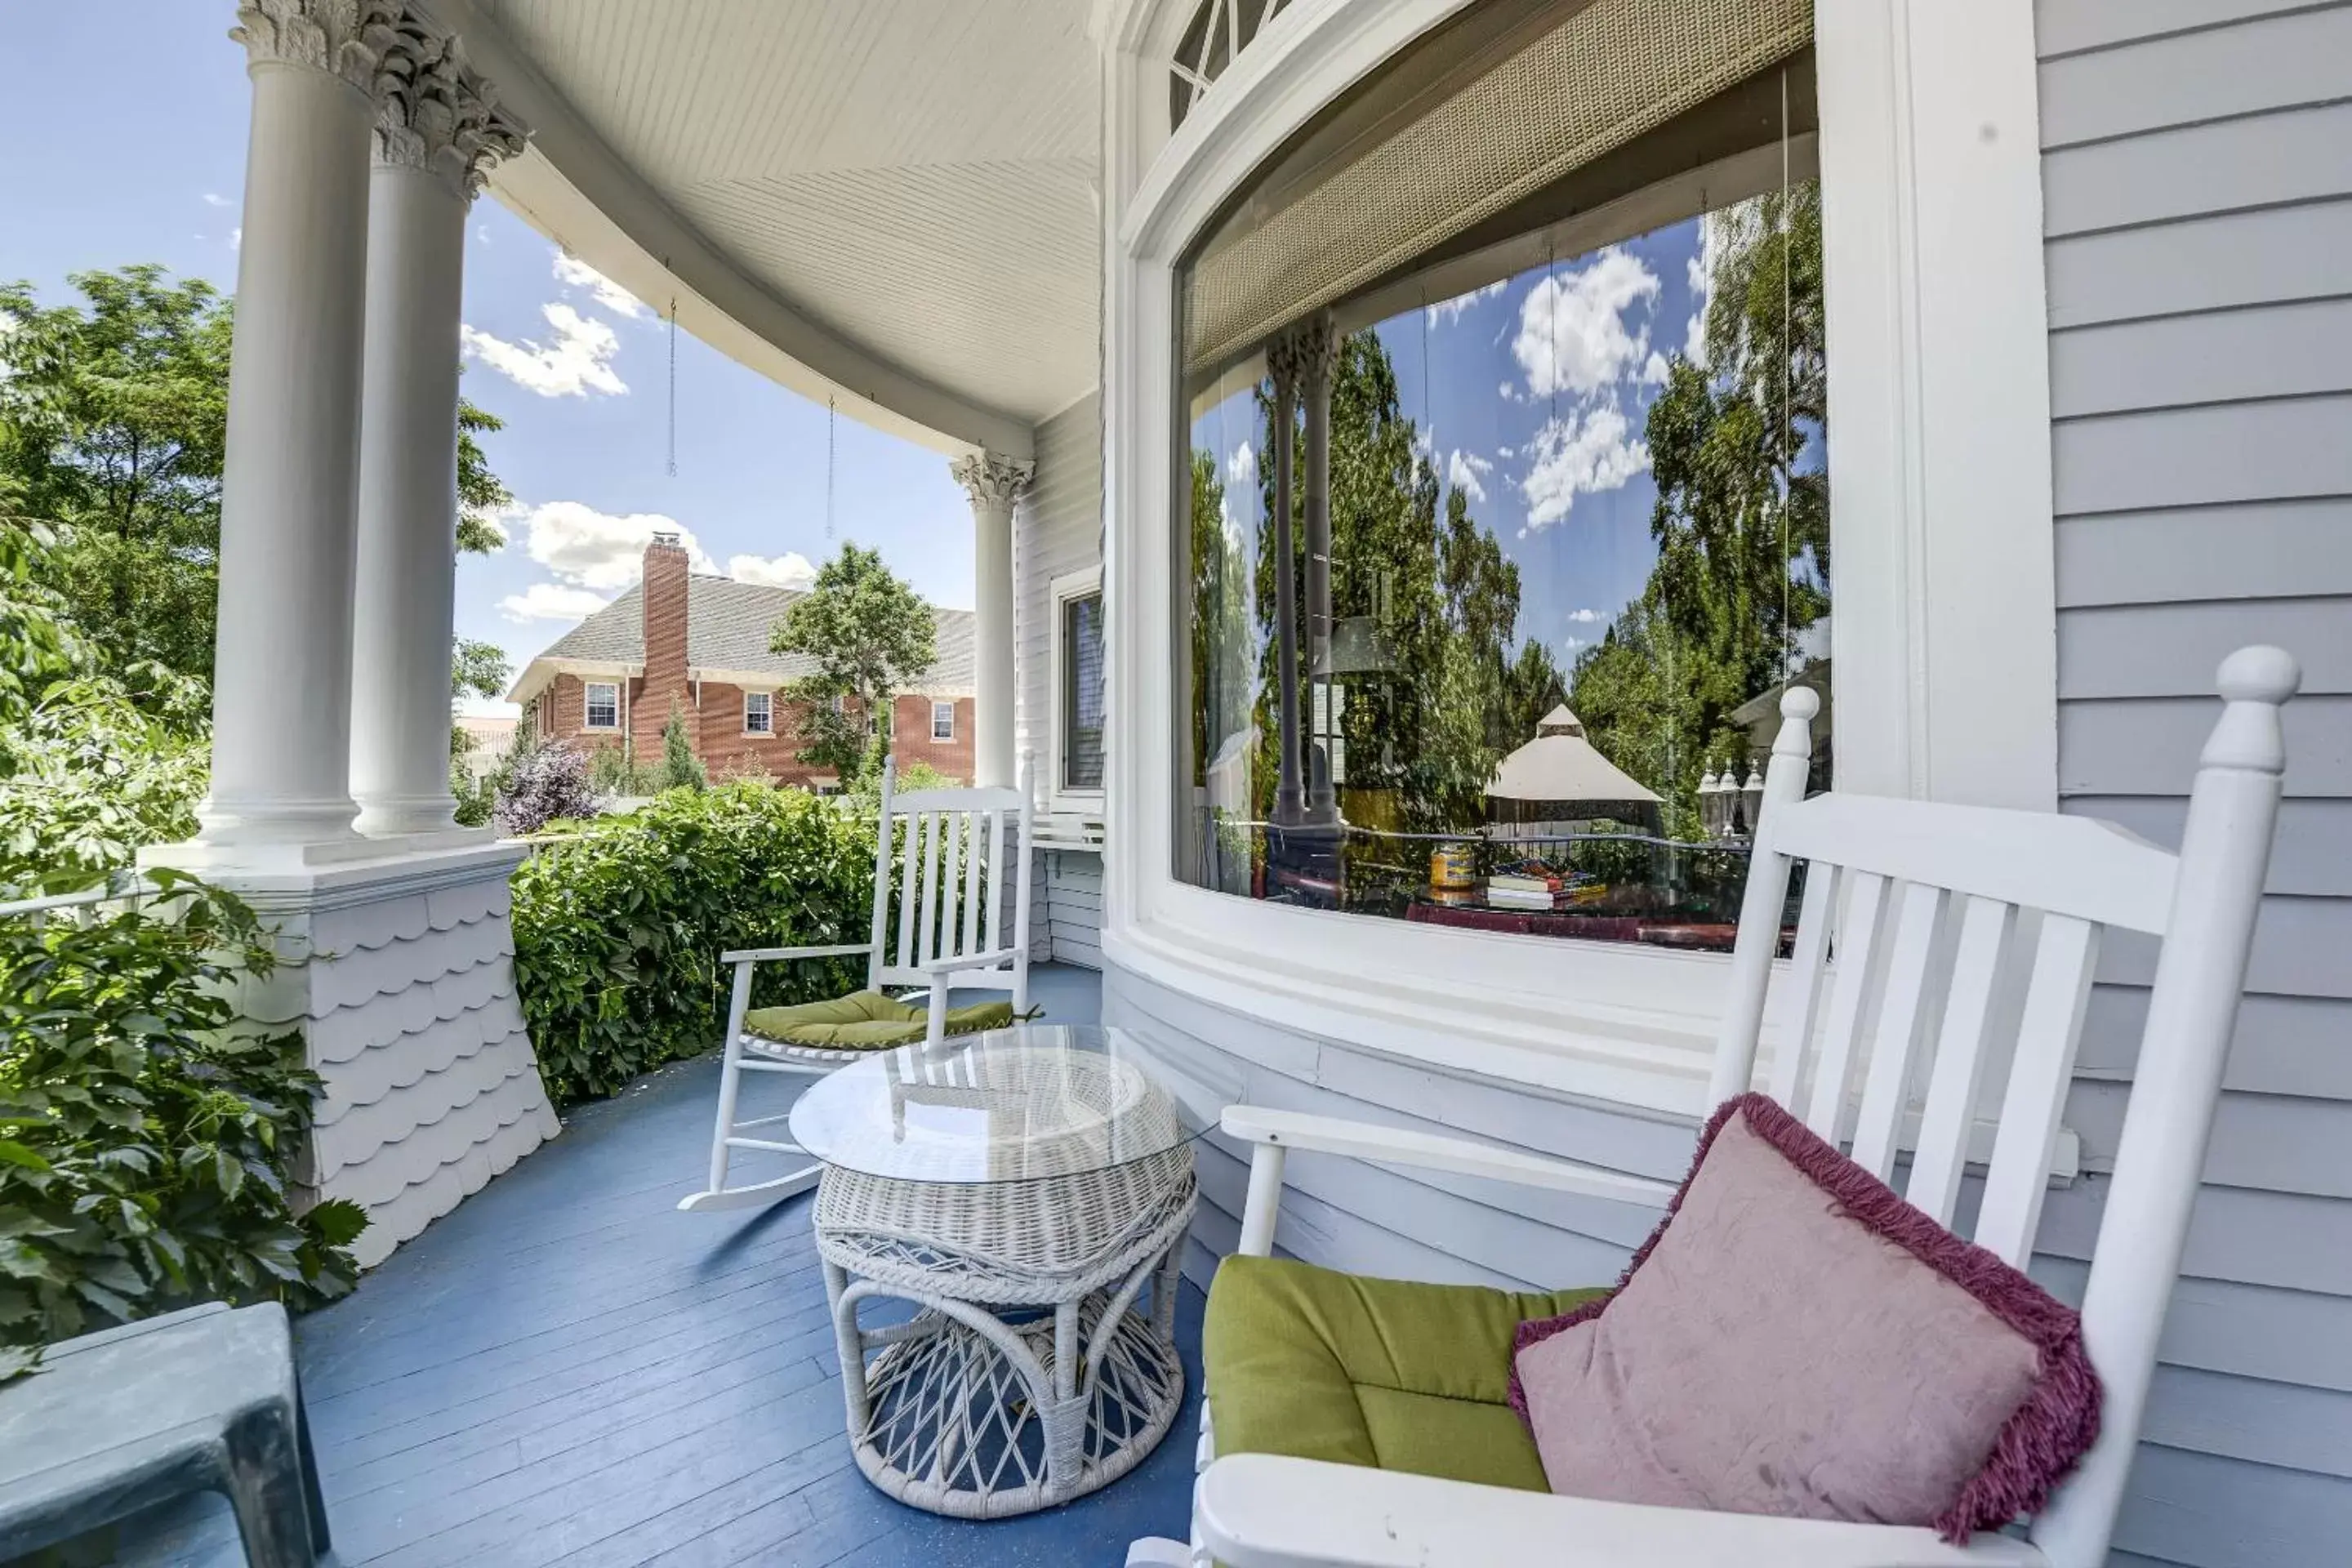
439	130
994	483
281	765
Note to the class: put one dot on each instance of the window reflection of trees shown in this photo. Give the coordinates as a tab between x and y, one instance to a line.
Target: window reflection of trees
1430	681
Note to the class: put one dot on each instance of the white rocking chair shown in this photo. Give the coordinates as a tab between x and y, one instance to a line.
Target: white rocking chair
950	934
1887	874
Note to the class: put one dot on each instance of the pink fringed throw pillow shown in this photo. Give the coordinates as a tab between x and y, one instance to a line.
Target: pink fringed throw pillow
1795	1339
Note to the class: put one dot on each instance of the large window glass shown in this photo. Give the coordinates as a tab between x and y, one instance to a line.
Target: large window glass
1556	530
1078	652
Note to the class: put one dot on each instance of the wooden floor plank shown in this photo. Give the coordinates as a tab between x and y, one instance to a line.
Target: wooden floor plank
567	1371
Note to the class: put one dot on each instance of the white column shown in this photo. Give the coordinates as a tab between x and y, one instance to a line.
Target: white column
281	766
438	131
1317	350
994	483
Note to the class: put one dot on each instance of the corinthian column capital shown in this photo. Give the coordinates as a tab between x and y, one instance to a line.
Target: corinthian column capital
991	481
347	39
438	114
1306	354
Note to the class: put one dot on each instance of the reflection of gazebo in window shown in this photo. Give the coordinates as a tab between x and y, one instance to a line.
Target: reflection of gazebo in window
1560	778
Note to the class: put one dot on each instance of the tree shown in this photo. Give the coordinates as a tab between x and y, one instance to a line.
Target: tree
481	495
1742	516
113	420
113	415
870	635
681	769
477	669
113	423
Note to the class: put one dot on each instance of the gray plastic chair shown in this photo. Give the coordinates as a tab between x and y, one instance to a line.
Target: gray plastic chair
200	1399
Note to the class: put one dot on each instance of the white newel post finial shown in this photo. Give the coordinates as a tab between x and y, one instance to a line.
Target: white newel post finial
994	484
281	692
438	128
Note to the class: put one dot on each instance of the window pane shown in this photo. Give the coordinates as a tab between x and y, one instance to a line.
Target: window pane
1574	487
1081	692
603	706
942	721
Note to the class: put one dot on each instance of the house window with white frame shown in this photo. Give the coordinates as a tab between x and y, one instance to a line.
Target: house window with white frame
758	713
601	707
1499	554
942	721
1079	695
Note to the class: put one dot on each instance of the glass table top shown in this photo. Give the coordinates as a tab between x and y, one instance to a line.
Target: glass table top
1029	1103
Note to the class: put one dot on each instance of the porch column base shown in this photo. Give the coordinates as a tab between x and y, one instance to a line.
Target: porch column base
398	971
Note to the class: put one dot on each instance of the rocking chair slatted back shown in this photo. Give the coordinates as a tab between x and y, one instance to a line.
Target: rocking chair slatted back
951	847
1912	920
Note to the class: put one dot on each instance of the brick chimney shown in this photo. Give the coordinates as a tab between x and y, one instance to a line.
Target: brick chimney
666	568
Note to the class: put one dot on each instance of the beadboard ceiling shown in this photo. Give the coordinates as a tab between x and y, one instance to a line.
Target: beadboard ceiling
914	177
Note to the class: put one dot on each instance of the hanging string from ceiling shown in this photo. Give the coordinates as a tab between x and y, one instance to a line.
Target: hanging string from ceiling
671	466
832	418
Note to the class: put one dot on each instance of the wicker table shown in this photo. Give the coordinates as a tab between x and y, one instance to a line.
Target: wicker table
1011	1209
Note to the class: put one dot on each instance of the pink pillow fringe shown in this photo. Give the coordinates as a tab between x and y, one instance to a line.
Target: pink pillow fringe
2041	1440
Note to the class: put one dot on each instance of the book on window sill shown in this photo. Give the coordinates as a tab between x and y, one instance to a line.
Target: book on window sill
1504	898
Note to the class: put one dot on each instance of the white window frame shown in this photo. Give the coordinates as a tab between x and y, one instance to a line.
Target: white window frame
588	703
1932	201
767	713
1059	591
942	706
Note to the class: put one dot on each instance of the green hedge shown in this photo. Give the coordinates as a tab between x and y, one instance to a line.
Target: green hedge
144	1135
619	925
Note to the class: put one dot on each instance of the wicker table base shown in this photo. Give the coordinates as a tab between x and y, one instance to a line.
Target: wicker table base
1039	1362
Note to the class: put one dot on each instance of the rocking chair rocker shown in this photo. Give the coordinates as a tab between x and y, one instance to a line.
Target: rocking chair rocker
1887	874
953	848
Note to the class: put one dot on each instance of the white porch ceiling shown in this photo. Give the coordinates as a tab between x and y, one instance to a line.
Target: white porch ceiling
913	179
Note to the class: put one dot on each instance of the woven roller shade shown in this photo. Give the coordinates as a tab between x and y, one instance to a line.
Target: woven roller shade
1611	72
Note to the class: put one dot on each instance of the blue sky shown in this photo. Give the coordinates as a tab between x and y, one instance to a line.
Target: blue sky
130	117
1531	396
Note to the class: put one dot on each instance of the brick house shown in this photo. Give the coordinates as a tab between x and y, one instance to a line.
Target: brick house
699	643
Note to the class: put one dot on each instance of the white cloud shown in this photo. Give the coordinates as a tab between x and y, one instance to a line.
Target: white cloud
1425	442
1572	335
577	363
1584	452
236	237
1446	312
1653	370
790	569
1241	469
213	199
551	601
1504	452
1466	471
1509	392
1583	617
572	272
599	551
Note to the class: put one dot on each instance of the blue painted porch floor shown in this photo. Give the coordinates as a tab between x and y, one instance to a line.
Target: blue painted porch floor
566	1370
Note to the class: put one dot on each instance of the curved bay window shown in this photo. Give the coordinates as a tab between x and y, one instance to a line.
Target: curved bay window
1507	480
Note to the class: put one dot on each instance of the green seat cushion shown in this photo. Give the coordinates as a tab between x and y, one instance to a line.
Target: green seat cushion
866	1021
1401	1376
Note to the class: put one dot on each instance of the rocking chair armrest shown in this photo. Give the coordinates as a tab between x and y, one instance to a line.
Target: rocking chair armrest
1267	1510
970	961
1434	1152
774	954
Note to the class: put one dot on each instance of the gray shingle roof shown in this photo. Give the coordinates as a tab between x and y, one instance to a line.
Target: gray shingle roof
727	626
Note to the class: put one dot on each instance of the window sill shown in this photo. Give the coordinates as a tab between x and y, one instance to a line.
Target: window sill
1653	1060
600	728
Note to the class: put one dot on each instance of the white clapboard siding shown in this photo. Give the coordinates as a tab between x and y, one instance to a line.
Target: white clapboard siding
1056	529
2198	205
